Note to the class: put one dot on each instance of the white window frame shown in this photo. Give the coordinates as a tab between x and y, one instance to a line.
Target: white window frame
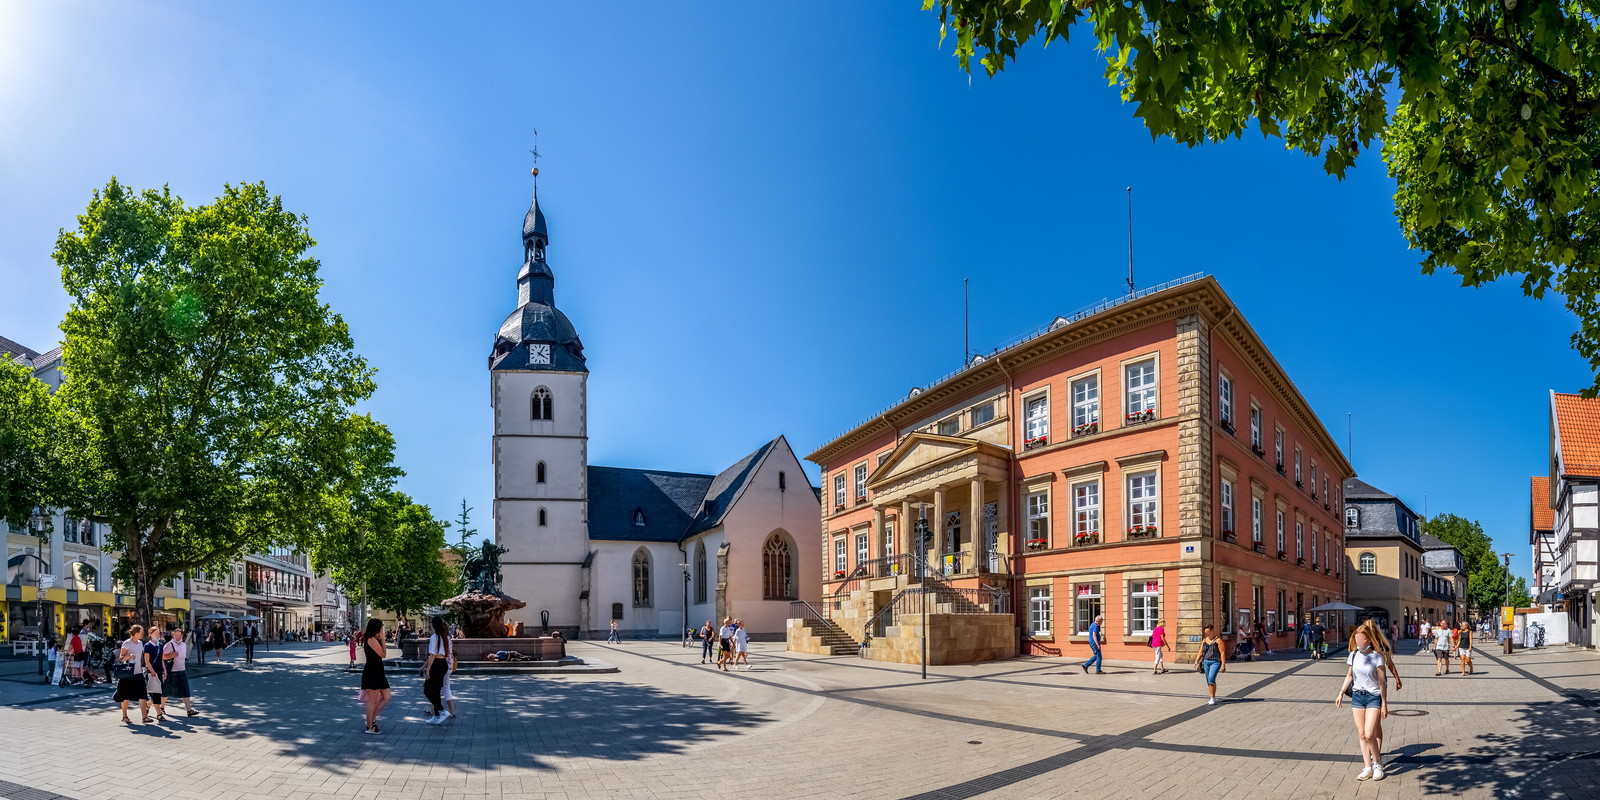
841	555
1352	517
838	490
1282	532
1144	606
1145	396
1298	458
1224	397
1313	476
1255	425
1037	506
1299	539
1277	447
953	421
1035	425
1086	509
887	535
1367	563
972	413
1086	605
1144	501
1085	394
1227	507
861	481
1039	611
863	547
1256	521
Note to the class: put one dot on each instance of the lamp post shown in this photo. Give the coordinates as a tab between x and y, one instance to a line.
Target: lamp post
923	535
685	568
1508	644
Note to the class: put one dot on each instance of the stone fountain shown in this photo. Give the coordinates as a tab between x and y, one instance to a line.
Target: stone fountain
482	608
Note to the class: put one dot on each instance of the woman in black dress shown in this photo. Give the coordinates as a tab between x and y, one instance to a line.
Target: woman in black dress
374	684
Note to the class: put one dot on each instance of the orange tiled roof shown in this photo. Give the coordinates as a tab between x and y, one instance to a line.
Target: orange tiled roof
1578	421
1544	517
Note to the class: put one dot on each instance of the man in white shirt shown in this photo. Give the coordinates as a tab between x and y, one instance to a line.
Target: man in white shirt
176	654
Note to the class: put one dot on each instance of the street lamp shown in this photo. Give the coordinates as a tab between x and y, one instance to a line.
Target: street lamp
685	568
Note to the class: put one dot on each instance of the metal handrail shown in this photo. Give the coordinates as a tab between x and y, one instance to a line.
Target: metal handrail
876	626
798	610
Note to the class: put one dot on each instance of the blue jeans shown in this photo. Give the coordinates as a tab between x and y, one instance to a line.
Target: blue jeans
705	647
613	638
1096	660
1211	666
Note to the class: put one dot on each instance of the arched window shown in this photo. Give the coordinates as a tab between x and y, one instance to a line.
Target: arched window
641	578
1369	564
538	473
638	517
777	569
700	572
541	404
542	518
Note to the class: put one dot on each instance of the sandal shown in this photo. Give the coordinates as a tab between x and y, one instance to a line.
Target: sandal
148	720
127	721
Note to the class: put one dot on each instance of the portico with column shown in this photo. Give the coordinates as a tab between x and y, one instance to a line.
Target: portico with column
958	487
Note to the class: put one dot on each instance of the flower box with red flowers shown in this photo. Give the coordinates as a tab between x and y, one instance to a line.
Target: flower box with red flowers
1142	532
837	574
1283	555
1298	484
1227	425
1037	544
1140	416
1261	548
1037	441
1299	562
861	499
1227	536
1091	537
1086	428
1280	468
838	507
1258	450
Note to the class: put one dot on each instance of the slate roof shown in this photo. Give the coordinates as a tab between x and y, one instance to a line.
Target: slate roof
669	501
726	488
1360	489
1544	517
12	349
533	224
1380	511
1577	428
1441	556
676	505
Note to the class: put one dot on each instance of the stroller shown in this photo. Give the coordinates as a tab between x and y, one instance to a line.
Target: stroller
1244	649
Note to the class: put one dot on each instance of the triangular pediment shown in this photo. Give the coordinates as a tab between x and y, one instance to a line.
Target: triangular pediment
919	451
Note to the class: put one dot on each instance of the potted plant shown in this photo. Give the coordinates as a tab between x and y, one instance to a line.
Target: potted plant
837	574
1086	428
1087	537
1036	544
1227	536
1140	416
1261	548
1037	441
1142	532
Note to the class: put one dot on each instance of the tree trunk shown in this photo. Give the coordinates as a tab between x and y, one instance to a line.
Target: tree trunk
144	592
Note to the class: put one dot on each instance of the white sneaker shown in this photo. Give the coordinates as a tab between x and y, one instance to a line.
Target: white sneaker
434	720
1366	772
1211	702
1377	772
444	716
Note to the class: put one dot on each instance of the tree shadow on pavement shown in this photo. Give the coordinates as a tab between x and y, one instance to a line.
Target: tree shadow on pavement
312	713
1554	752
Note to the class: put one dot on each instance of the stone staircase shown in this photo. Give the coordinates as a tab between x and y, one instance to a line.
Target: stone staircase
826	637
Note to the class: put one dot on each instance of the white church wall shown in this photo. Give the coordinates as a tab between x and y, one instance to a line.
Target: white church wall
613	584
700	612
513	403
760	511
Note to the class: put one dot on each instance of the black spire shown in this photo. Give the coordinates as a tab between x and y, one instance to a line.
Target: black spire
535	282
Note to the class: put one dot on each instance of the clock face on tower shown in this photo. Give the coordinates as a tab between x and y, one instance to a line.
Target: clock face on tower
539	354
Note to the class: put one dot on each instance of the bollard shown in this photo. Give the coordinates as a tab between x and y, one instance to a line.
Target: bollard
1507	645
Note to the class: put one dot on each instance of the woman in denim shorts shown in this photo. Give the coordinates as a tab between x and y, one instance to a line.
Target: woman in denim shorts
1369	700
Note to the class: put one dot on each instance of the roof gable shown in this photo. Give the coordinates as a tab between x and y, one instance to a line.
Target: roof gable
1576	423
727	487
920	450
668	501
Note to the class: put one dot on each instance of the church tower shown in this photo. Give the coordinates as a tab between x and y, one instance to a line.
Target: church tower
537	384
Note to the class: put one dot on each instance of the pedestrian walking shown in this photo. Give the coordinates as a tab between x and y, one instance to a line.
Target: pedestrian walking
1261	633
725	643
1441	648
1096	638
250	634
219	640
131	686
434	670
1303	636
1317	638
1464	648
614	638
176	656
156	675
375	691
355	641
1423	637
1211	659
1369	700
1159	643
708	634
741	644
77	651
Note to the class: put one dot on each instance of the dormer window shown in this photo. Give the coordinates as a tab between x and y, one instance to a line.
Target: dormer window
638	517
1352	517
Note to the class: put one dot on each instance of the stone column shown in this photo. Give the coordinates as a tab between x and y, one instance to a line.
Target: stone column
979	549
936	526
903	536
877	534
1196	385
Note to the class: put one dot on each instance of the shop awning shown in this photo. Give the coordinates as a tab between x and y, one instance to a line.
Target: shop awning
231	609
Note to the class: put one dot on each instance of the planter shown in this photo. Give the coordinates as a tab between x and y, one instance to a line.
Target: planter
1227	536
1283	555
1086	538
1142	535
1037	441
1227	425
1139	416
1085	430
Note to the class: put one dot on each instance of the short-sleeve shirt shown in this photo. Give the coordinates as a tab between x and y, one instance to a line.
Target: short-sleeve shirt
152	649
134	648
1366	665
180	655
1315	631
1094	633
1441	638
1158	637
435	646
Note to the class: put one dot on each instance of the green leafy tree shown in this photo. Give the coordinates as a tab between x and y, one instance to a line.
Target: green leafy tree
29	463
206	403
1486	575
1486	111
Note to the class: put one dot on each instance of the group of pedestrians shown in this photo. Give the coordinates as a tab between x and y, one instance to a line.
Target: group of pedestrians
439	662
733	643
150	671
1447	643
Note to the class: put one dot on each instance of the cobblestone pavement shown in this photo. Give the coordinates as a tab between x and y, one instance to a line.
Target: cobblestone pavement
801	726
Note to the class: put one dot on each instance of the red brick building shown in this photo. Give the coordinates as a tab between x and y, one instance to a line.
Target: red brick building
1149	460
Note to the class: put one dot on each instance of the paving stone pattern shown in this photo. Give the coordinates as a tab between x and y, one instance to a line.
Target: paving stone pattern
810	726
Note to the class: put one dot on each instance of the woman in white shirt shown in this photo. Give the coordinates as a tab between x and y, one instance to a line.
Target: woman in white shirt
1369	700
176	654
741	644
435	669
131	687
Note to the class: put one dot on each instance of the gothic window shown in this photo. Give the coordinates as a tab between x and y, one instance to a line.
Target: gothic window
541	404
641	578
638	517
777	569
542	518
538	473
700	572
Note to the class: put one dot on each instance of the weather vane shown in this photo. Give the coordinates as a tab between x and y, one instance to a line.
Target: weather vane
535	152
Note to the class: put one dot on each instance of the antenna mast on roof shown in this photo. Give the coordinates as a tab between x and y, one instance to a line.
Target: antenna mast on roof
1130	241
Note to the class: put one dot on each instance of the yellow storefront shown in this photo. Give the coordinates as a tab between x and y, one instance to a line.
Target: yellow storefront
64	607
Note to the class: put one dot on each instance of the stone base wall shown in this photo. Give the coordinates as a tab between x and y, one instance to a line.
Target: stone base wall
801	639
953	639
542	648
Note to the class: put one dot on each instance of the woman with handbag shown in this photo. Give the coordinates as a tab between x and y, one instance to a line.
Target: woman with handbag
1369	700
1211	658
130	672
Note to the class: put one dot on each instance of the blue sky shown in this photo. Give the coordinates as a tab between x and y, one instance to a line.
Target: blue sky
760	218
